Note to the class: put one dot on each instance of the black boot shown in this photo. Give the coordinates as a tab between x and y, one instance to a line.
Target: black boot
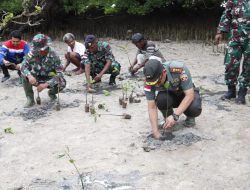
231	93
112	80
241	96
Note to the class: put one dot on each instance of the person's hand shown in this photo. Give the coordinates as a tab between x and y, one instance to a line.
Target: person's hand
18	67
98	78
218	38
6	63
157	134
90	90
42	86
169	122
80	71
32	80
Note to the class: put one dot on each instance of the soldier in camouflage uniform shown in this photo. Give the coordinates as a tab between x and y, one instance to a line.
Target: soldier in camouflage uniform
100	60
42	68
167	86
235	20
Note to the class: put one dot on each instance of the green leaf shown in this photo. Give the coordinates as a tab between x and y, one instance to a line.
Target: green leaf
106	92
8	130
60	155
71	161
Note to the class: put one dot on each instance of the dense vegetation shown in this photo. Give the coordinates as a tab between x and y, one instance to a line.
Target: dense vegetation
52	12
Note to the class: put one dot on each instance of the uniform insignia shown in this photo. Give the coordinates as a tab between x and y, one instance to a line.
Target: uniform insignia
176	70
147	88
183	77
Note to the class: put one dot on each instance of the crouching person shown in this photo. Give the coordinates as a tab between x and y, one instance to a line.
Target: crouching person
42	68
100	60
173	82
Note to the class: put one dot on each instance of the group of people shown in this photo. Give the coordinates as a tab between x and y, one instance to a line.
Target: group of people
168	85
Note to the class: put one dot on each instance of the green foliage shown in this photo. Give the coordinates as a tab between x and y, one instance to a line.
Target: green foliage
8	130
6	19
136	7
38	9
14	6
106	93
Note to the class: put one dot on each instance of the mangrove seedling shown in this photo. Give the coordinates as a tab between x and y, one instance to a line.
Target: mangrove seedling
124	104
58	106
92	107
131	98
72	161
38	99
86	103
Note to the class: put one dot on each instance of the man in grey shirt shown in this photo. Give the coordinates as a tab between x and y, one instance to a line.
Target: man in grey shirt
146	50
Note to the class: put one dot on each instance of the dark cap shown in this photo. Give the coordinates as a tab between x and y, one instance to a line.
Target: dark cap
89	40
152	71
137	37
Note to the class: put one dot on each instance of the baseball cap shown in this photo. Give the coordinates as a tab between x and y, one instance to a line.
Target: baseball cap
152	71
89	40
137	37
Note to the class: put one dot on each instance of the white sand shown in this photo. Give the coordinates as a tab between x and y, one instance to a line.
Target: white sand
111	148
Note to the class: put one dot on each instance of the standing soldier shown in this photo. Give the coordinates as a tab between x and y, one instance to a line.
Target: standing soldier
173	84
42	68
12	53
146	50
100	60
235	20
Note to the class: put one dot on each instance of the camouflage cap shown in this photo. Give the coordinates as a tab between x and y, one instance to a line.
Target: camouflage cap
40	42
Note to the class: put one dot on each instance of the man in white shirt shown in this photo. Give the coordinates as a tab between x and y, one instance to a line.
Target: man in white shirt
75	53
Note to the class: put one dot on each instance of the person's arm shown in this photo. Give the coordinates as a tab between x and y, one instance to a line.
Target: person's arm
3	53
187	100
25	69
26	49
153	117
225	22
67	57
187	86
56	71
105	68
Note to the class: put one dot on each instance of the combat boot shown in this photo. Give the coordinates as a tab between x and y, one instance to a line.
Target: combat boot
241	99
189	122
112	80
29	93
231	93
52	94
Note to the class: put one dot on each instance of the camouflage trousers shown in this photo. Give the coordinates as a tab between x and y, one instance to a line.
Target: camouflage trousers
235	51
114	69
53	89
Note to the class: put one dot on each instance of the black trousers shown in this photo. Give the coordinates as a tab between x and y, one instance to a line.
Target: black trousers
6	72
167	100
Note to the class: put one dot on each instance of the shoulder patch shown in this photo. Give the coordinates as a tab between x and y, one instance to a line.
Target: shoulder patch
176	70
29	55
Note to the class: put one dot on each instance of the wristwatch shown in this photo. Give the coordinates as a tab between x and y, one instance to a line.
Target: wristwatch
176	117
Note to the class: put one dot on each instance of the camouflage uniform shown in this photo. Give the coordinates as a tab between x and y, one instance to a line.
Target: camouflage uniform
236	21
98	60
44	68
171	93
